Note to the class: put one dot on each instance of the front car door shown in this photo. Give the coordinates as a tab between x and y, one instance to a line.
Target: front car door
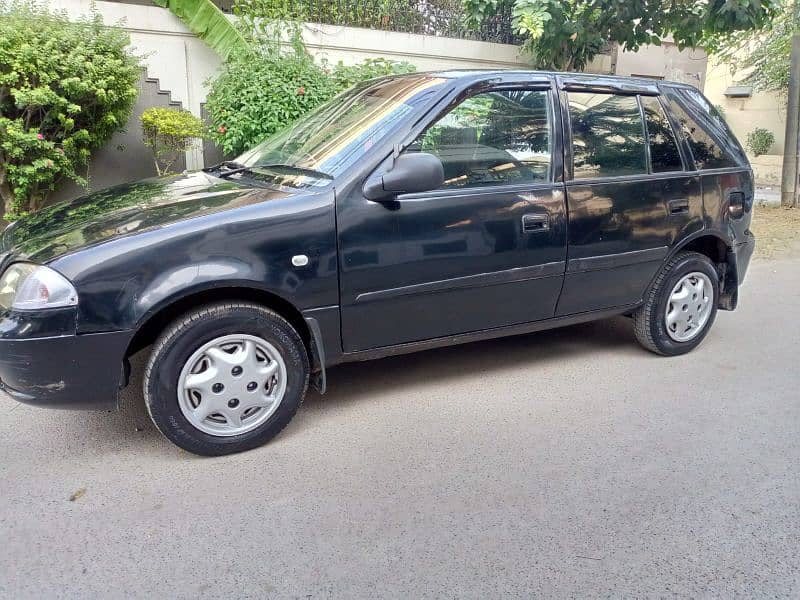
629	193
485	250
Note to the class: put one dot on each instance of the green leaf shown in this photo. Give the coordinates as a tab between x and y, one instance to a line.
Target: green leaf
208	22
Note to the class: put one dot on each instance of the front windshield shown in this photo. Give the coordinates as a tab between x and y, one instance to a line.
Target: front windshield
323	144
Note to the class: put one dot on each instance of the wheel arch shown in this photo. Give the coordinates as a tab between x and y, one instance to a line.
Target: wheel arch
716	247
150	325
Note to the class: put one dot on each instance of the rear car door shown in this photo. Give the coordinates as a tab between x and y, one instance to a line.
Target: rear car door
629	194
727	179
485	250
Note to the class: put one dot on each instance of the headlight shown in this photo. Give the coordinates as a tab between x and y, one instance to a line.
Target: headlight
25	286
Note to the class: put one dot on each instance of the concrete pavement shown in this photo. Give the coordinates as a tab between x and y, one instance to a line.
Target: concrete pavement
563	463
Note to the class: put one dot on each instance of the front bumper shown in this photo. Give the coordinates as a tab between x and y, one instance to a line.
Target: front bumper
60	371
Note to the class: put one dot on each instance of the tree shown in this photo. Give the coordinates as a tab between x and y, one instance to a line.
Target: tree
567	34
65	89
169	132
763	55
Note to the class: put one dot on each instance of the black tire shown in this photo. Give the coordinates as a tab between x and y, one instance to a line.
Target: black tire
648	321
184	336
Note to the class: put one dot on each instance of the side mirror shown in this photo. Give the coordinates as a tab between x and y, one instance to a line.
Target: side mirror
412	173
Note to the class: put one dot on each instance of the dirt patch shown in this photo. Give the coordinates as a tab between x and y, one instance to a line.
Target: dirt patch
777	231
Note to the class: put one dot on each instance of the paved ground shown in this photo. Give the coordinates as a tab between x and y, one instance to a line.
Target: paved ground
565	463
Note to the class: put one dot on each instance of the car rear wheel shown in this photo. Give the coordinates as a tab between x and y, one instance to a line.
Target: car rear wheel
680	307
225	378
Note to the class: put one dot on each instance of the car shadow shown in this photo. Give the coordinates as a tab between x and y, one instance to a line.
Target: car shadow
358	382
351	382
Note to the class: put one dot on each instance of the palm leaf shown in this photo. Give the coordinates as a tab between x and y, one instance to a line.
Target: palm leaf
207	22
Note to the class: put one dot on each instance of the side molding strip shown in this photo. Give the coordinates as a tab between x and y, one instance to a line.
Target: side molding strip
552	269
612	261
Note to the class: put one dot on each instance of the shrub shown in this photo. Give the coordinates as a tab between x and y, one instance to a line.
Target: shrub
65	89
347	76
267	86
168	132
255	96
760	140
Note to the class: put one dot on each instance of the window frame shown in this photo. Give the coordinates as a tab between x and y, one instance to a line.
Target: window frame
681	150
569	156
555	138
673	94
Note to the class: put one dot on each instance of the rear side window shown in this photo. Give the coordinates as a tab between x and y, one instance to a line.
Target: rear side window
492	138
664	154
607	135
713	145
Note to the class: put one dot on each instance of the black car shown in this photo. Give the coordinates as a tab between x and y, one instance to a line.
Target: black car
409	212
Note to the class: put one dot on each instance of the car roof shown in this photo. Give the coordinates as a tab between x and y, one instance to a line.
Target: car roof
630	84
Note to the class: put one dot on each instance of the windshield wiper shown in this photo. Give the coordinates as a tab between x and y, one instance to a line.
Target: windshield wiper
312	172
239	168
228	165
228	172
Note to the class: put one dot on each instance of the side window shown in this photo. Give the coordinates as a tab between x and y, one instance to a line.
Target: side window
607	135
708	153
664	154
492	138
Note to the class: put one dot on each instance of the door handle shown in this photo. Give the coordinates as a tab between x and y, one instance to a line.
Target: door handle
535	222
678	207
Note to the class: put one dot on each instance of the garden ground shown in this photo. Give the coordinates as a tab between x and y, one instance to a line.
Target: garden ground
777	231
568	463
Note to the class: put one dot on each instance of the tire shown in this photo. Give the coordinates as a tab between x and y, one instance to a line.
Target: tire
651	319
212	344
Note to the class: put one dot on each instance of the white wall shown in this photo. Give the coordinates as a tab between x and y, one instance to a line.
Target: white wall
182	62
767	110
667	61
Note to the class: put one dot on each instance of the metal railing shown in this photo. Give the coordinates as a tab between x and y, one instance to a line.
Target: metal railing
428	17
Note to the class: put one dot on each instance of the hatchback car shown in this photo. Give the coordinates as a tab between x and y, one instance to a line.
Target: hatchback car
407	213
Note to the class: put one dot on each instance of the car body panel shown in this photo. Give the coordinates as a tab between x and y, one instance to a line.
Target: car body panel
620	232
123	280
126	210
457	262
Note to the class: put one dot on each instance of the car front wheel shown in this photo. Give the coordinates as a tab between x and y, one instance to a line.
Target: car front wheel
225	378
680	307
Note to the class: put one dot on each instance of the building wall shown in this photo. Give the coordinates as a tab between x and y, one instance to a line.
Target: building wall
745	114
125	157
665	61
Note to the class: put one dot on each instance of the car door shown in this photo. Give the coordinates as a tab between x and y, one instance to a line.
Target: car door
721	162
629	196
485	250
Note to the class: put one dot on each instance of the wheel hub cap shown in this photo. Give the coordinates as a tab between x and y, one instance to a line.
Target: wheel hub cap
232	384
689	307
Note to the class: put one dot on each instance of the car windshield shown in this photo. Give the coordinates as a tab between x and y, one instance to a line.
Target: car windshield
323	144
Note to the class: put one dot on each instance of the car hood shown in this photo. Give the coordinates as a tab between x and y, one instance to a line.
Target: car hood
124	210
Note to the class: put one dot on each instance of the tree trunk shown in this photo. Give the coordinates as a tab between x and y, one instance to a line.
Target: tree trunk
6	195
791	146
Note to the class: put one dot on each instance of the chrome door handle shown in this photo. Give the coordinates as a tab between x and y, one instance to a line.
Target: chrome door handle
535	222
678	207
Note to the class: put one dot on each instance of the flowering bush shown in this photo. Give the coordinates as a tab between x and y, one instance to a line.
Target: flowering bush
268	85
255	96
65	88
